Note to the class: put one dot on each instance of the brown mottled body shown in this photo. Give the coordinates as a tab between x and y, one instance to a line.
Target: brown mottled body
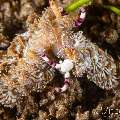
52	30
23	70
19	76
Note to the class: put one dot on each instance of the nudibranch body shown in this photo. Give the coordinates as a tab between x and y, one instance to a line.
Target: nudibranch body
28	66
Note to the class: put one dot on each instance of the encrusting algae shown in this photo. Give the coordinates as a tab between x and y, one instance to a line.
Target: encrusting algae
26	66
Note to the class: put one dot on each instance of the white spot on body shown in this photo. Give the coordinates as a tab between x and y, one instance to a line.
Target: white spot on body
58	66
83	15
67	75
64	88
46	58
66	66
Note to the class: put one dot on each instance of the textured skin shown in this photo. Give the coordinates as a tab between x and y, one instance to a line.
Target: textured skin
97	64
18	76
23	71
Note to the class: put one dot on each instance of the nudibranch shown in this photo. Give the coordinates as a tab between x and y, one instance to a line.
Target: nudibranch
50	44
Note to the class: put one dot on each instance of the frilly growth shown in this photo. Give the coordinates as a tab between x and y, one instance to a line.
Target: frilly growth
23	71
